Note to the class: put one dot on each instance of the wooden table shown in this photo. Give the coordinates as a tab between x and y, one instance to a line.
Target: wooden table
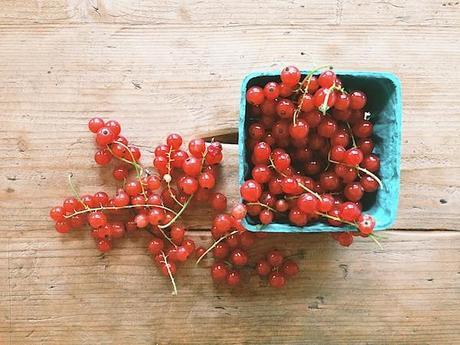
159	66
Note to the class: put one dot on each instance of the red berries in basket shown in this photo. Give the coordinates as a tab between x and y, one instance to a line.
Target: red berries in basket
312	156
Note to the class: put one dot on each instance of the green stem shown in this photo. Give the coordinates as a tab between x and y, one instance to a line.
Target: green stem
325	215
74	191
178	214
165	261
214	244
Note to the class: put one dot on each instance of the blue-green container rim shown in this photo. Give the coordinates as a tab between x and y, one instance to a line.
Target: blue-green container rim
321	227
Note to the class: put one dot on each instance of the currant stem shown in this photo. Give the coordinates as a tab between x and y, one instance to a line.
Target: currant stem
351	135
374	238
165	261
167	237
178	214
263	205
215	244
113	208
325	215
168	181
74	191
305	188
361	169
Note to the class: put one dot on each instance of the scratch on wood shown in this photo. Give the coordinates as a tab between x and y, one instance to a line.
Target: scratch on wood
344	268
338	12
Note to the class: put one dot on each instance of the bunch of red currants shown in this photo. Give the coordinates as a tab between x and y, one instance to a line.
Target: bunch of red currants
152	200
310	149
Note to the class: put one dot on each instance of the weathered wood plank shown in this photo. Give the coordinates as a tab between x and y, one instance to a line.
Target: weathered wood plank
63	291
316	13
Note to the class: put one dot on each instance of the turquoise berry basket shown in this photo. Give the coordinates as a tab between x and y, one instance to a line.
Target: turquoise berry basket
385	105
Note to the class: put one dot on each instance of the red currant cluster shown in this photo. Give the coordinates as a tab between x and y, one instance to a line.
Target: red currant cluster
310	145
231	252
152	201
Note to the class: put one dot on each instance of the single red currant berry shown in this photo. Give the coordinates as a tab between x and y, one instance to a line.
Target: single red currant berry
104	245
120	173
327	78
285	108
202	195
207	180
223	223
353	191
297	217
239	211
188	184
290	268
97	219
221	250
266	217
95	124
233	278
174	141
280	130
307	103
219	271
189	245
277	280
329	181
251	191
282	161
177	234
345	239
178	158
101	199
114	127
342	102
192	166
162	151
290	76
340	138
263	268
326	203
320	96
197	147
255	95
239	257
281	205
353	156
358	100
337	153
307	203
366	145
133	188
261	173
156	246
78	221
371	163
57	214
102	157
327	127
271	90
290	185
363	129
169	268
369	184
218	202
313	118
349	211
156	216
105	136
366	224
153	183
121	199
181	254
285	90
261	153
256	131
299	130
62	226
118	230
275	258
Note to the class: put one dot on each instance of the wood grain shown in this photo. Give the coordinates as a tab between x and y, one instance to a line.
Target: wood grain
63	291
163	65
